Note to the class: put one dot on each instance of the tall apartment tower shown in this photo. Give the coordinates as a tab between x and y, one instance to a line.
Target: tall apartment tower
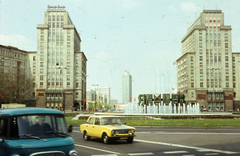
205	70
60	64
126	87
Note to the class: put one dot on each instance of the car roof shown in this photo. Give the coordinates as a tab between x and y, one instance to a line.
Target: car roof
6	112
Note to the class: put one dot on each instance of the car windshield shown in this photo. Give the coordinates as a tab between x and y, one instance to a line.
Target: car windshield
111	120
38	126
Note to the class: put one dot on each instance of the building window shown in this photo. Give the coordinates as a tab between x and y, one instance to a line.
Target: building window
41	70
201	78
200	38
200	45
201	64
200	58
68	44
234	78
227	78
227	84
41	84
201	84
34	71
226	45
41	57
201	71
226	32
68	31
68	64
192	94
42	37
191	65
42	44
42	31
192	79
68	77
200	32
200	51
192	72
233	59
68	57
76	85
226	65
192	85
41	77
68	71
226	58
34	58
68	84
227	71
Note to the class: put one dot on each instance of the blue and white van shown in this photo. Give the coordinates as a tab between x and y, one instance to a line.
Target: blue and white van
30	131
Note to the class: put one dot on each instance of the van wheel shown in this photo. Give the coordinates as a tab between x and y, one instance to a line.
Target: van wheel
130	140
85	136
105	138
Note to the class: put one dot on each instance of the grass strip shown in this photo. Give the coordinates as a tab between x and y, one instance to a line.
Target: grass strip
171	122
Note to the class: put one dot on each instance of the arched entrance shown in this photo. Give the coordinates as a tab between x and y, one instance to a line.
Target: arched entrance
76	106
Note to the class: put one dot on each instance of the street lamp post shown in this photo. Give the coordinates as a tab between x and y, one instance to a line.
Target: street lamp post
63	104
95	85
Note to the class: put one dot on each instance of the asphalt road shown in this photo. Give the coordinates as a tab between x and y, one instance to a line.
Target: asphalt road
165	142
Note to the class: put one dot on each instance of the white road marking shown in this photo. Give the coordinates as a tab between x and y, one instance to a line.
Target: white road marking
212	154
184	146
96	149
105	155
189	155
175	152
149	153
202	133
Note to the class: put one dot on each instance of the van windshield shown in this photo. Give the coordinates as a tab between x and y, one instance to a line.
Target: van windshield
38	126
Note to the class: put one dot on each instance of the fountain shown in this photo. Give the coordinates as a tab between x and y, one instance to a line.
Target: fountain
134	108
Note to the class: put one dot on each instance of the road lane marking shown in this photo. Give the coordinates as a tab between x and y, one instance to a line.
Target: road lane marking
212	154
96	149
202	133
184	146
149	153
175	152
105	155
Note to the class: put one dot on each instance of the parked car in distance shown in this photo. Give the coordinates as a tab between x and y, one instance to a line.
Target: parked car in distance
107	128
30	131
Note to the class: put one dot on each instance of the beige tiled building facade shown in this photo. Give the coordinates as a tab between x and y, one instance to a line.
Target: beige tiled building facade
59	66
207	70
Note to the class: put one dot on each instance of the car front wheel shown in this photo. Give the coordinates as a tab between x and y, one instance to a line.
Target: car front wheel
130	140
85	136
105	138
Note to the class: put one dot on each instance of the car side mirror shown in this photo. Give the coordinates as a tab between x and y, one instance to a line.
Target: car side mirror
70	128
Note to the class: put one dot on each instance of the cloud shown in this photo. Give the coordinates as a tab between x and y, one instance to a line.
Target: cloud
19	41
189	7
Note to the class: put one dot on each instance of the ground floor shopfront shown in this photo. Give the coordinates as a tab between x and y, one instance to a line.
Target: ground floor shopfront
215	101
58	99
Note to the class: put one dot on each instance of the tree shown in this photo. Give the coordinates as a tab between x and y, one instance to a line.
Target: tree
16	87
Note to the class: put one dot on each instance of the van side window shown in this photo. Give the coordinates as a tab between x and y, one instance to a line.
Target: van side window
91	121
3	127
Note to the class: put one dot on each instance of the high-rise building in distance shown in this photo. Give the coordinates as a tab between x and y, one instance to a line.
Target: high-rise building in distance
126	87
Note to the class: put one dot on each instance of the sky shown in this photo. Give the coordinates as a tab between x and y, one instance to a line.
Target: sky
142	37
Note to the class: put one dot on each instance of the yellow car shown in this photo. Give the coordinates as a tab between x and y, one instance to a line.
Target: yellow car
107	128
